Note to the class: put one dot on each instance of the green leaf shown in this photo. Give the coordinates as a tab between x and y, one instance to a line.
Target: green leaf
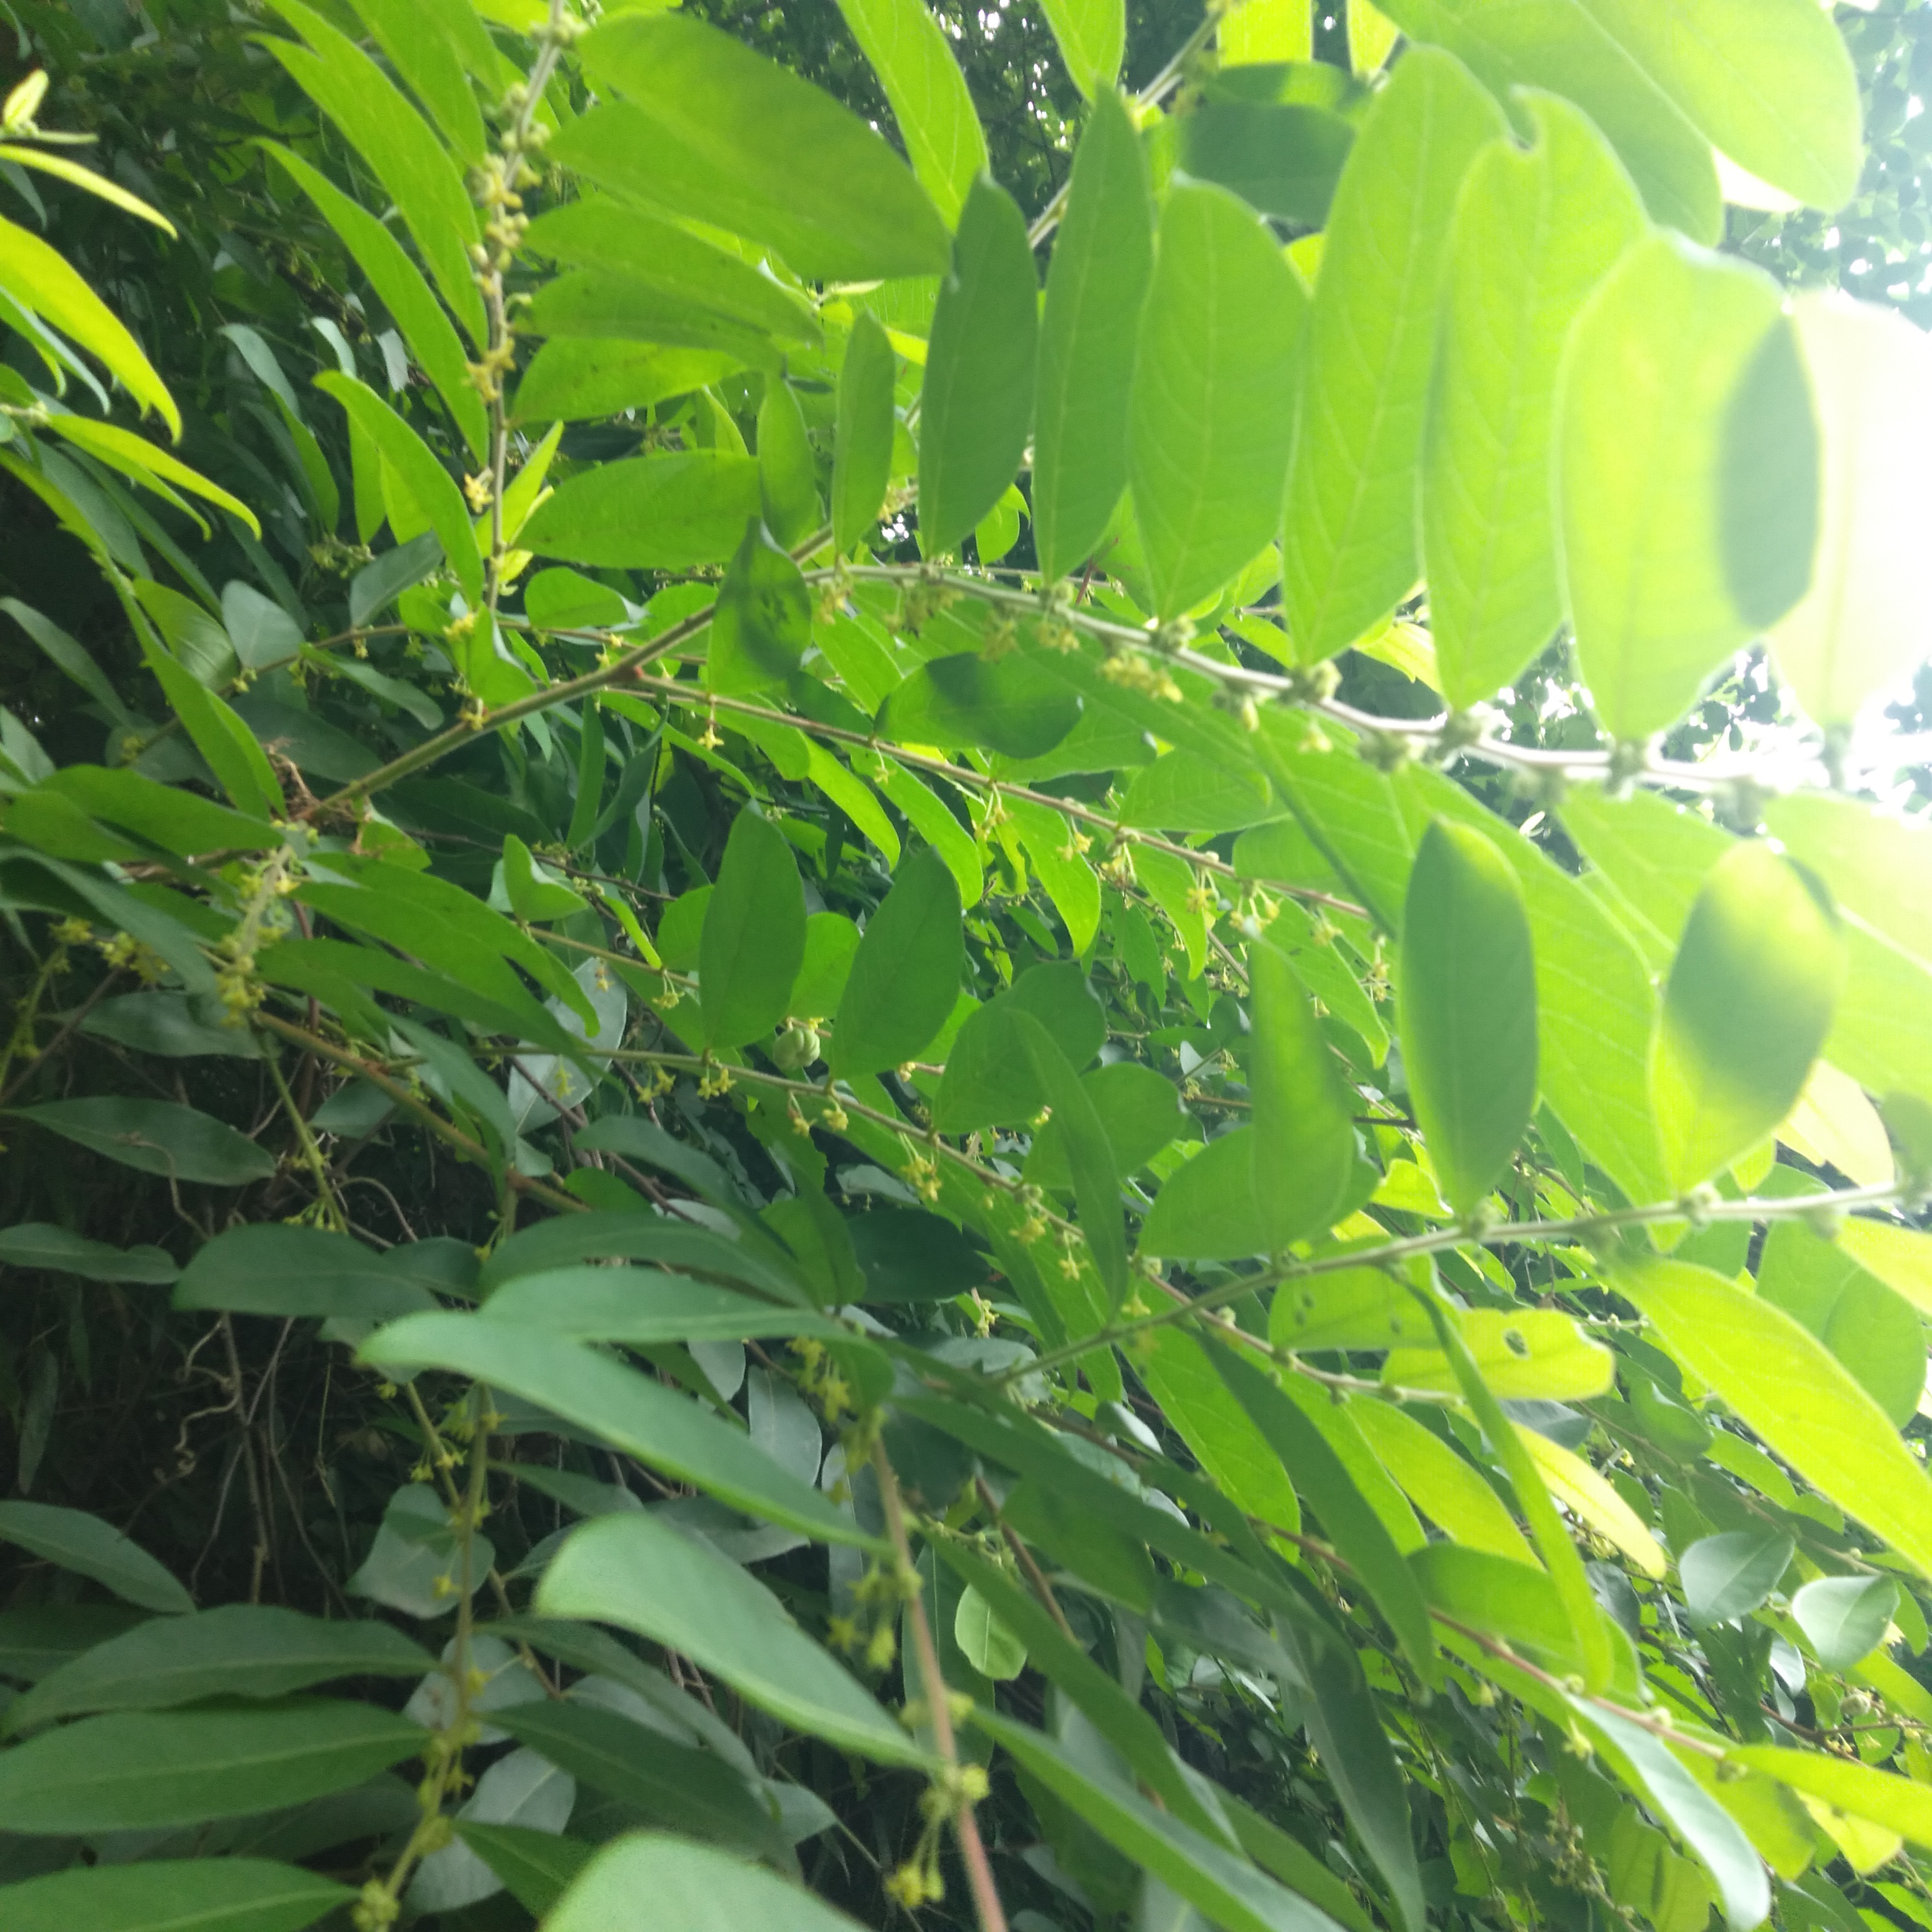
987	1645
536	1866
140	460
571	377
52	1250
976	403
989	1080
648	1880
402	152
1366	1307
1096	1185
225	1894
711	130
1211	409
1730	1576
270	1269
637	1571
1845	1617
1512	1601
427	58
1095	283
642	1307
1011	704
934	821
634	1414
240	766
1666	510
905	976
754	936
606	305
1141	1110
862	445
72	1540
787	471
156	1137
1524	1355
912	55
1856	630
1092	36
1445	1488
1468	1009
1349	555
239	1650
670	1783
535	898
1533	233
1231	1892
1212	1207
1305	1145
763	621
1570	48
649	512
1181	791
1069	881
1354	1529
40	278
427	482
1784	1384
141	1770
1897	1804
1746	1010
577	1237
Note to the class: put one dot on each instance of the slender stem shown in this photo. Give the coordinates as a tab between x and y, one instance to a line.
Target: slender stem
972	1851
1025	1557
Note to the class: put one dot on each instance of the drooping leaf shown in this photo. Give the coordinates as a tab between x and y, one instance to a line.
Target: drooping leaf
1012	705
904	977
754	936
977	402
1349	553
649	513
641	1306
1211	407
1746	1010
1441	1484
1533	233
39	1244
912	56
862	450
1845	1617
1095	283
227	1895
707	127
1729	1576
637	1572
1468	1008
536	1868
156	1137
651	1878
763	622
1092	36
273	1270
72	1540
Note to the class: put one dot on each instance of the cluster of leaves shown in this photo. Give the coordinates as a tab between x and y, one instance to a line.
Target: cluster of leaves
778	1014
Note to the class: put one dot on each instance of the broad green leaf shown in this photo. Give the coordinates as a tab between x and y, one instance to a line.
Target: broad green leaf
670	1783
1547	1528
240	766
40	278
905	976
1563	46
989	1080
637	1571
1468	1009
1860	627
1141	1110
1877	1334
641	1417
934	821
646	1880
1053	849
1899	1805
1095	283
1730	1576
1097	1185
156	1136
641	1307
1769	82
1093	38
1684	477
1181	791
1280	150
754	935
1525	1355
536	1868
986	1643
559	1242
1211	408
535	897
1845	1617
1349	1523
1512	1601
1349	553
52	1250
1746	1010
606	305
1784	1384
912	55
571	377
136	457
1900	1257
1258	31
1231	1892
787	471
1010	704
225	1894
405	156
1305	1146
710	130
976	404
1213	1207
424	478
239	1650
1445	1487
649	512
763	621
141	1770
427	58
862	446
1592	1501
270	1269
1366	1307
72	1540
1533	233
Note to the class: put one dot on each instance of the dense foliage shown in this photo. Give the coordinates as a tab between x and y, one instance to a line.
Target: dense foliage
784	1096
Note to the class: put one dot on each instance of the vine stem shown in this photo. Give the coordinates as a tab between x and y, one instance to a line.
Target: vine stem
992	1914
